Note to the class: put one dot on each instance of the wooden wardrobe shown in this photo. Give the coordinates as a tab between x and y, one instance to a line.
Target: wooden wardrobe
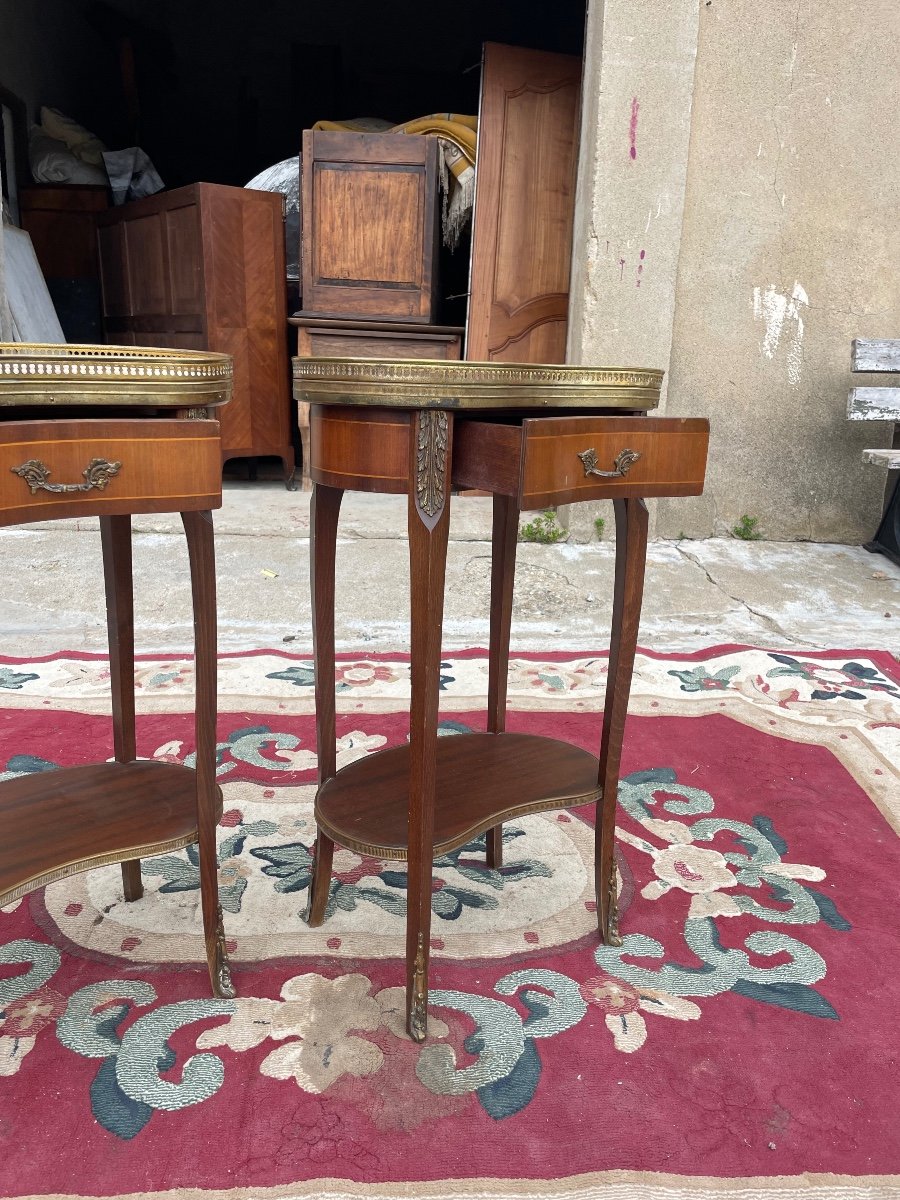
202	268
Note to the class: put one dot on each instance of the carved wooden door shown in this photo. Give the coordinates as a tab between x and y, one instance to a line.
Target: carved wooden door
524	205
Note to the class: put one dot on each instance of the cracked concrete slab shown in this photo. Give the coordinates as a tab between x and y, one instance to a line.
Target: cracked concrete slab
698	593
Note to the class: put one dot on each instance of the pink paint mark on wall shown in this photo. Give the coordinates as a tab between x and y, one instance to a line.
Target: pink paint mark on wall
632	128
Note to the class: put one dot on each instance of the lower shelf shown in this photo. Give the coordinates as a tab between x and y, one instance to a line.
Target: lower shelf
57	823
483	779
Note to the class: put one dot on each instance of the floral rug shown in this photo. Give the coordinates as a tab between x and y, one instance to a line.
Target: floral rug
743	1041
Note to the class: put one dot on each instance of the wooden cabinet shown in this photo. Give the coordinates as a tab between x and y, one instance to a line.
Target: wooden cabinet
202	268
370	225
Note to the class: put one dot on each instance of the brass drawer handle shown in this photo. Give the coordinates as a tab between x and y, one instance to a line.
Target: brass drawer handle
624	461
97	474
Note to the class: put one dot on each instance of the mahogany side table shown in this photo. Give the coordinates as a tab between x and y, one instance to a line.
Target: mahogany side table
532	436
109	431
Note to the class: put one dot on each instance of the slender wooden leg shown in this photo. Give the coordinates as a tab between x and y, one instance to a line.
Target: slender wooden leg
503	572
325	508
289	467
118	579
303	426
429	522
631	555
198	529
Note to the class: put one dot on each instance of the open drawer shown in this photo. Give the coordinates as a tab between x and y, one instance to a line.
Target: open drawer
557	460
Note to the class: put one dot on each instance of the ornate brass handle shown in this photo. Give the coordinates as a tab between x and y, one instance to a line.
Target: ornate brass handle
97	474
623	462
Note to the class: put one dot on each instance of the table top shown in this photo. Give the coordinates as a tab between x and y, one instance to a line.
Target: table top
36	375
417	383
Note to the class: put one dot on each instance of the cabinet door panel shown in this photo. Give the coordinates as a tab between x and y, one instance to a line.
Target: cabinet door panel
244	240
185	268
145	243
113	270
524	205
369	225
202	267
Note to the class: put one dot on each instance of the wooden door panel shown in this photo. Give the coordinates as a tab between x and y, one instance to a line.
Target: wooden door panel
185	267
113	270
524	205
247	315
532	341
145	242
368	252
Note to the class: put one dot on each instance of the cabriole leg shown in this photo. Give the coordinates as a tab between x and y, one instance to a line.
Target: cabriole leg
325	508
503	573
118	581
631	554
428	522
198	530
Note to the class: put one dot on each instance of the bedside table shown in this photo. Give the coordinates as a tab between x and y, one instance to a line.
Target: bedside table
532	436
110	431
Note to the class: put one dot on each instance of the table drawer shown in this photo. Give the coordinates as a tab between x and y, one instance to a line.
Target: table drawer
368	343
72	468
558	460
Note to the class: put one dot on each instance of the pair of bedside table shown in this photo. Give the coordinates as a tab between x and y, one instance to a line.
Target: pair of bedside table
90	431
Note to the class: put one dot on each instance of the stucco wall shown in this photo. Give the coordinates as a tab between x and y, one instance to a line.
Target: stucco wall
786	249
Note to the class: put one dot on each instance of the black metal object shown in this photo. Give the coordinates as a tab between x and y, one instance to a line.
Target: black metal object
887	536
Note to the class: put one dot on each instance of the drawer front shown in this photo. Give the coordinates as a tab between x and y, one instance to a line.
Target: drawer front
360	449
367	344
107	468
638	456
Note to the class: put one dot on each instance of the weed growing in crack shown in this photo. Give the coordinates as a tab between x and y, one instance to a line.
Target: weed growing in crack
544	528
746	529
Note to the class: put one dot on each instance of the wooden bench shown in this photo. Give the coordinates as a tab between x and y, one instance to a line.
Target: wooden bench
879	404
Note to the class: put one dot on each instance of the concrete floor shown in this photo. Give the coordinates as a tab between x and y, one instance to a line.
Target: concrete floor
800	595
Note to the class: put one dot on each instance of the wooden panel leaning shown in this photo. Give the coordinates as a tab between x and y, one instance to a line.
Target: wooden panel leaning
370	225
84	463
879	404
